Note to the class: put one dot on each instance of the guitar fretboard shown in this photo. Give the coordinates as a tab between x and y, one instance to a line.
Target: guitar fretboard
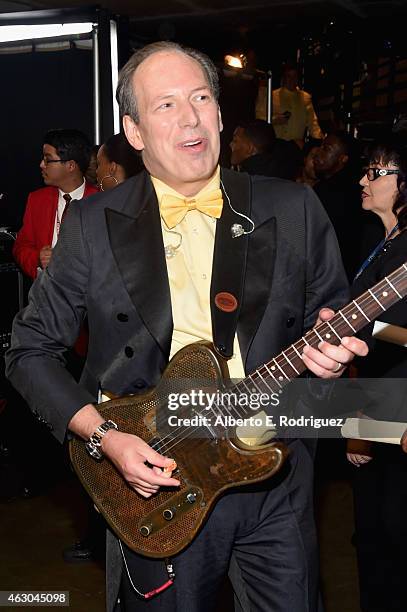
275	374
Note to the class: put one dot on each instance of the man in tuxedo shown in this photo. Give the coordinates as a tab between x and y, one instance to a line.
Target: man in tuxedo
65	159
148	263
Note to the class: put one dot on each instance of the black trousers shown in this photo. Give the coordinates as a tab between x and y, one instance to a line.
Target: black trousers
380	500
263	537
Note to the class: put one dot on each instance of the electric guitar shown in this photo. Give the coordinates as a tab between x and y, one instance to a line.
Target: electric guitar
209	460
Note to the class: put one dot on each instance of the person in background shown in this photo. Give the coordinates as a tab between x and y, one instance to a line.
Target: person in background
65	159
256	150
380	483
293	112
336	187
307	174
116	162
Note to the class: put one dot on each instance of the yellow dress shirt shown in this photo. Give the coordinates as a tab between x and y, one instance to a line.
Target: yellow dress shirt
189	274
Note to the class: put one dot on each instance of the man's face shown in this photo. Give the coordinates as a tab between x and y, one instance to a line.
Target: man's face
290	79
329	156
53	172
241	147
309	168
179	125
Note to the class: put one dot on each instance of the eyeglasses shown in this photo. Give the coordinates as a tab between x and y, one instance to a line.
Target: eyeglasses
374	173
53	161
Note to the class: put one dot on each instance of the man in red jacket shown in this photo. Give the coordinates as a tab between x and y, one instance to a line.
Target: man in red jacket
65	159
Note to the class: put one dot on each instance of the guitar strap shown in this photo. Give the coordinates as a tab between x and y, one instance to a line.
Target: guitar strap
230	259
229	263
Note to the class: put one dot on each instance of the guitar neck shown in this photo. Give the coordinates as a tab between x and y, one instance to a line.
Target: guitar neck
275	374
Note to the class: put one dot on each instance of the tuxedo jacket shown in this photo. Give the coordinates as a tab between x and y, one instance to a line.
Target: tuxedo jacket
109	263
38	226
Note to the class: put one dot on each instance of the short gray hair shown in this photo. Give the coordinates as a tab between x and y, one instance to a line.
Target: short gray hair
125	94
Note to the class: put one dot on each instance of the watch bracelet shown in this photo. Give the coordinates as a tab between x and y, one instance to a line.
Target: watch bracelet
94	442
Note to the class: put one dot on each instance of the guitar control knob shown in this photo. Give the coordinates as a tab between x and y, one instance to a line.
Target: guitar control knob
191	498
169	514
145	530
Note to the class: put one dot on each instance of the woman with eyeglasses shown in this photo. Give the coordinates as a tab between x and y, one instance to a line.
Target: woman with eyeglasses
380	482
116	162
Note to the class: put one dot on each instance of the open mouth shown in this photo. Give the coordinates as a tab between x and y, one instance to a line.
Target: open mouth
196	144
192	143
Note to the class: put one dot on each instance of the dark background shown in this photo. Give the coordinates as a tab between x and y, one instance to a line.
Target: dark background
352	58
44	91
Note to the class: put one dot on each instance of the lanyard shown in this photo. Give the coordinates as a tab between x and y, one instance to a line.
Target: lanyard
376	251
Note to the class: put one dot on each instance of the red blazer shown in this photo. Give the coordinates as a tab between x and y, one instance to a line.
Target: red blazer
38	227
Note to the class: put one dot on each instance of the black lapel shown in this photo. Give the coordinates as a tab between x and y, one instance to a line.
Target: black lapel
229	262
136	240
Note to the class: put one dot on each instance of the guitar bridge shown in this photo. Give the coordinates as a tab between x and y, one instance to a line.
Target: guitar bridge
170	511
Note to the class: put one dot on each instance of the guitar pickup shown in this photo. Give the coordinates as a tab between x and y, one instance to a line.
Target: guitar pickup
170	511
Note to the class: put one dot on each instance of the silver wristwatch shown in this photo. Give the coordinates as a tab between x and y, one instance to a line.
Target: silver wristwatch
94	442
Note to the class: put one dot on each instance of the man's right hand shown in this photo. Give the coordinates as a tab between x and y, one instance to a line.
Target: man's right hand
45	256
129	455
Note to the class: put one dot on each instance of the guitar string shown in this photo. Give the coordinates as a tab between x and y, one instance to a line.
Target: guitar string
347	310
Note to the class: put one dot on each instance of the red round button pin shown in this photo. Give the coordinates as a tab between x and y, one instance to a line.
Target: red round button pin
226	301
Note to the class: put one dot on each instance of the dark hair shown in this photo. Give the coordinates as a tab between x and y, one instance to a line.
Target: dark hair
117	149
347	142
392	151
70	144
260	133
125	94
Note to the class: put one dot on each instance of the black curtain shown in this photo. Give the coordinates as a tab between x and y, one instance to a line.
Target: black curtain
40	91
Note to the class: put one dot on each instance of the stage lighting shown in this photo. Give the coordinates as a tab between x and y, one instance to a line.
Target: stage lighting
235	61
47	30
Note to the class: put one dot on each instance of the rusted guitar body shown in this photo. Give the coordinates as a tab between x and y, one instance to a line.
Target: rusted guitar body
164	524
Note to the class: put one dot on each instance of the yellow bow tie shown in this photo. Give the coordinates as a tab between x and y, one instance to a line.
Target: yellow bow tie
173	209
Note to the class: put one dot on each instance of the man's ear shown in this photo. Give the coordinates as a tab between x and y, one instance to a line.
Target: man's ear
220	120
252	148
132	133
344	158
72	165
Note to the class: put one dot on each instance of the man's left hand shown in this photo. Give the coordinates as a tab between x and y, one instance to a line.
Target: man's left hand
328	360
404	441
